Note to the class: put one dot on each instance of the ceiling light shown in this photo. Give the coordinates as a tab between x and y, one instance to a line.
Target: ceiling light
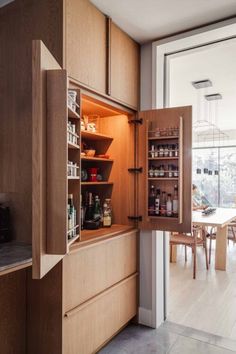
213	97
202	84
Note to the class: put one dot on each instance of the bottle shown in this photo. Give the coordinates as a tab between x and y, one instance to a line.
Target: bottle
151	201
97	209
169	205
157	202
163	204
161	151
89	208
175	202
107	213
71	216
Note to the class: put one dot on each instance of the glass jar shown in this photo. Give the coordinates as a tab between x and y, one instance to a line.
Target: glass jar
107	213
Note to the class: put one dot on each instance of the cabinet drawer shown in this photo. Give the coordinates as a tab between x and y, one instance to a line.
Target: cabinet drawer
97	267
89	326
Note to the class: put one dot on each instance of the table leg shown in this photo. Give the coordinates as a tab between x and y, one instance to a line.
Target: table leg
221	248
174	254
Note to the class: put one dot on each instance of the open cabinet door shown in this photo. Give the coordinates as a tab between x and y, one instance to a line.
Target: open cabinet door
49	161
165	155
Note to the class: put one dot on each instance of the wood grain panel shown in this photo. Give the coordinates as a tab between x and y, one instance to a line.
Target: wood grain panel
56	162
85	41
13	313
125	67
165	118
42	61
88	327
44	313
20	22
103	265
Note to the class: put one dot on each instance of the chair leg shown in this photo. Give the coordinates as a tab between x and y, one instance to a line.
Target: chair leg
194	261
210	250
185	251
207	265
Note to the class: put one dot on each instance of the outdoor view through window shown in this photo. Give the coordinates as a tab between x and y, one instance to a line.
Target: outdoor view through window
206	79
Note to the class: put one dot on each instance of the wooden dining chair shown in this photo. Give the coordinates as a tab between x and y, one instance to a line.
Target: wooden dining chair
211	235
196	238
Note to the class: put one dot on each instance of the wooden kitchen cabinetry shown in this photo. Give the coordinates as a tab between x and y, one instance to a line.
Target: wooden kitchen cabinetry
86	44
124	67
87	298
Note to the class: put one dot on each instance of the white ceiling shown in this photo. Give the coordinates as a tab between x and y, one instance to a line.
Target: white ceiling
216	63
149	19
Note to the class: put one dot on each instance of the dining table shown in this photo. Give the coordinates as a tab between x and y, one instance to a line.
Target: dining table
219	220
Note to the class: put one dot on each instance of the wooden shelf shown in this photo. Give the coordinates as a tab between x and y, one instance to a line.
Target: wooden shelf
163	217
163	137
86	158
73	178
164	179
93	235
73	146
96	183
163	158
72	114
94	136
72	240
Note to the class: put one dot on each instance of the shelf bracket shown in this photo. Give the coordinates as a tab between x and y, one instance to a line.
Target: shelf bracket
135	218
135	170
136	121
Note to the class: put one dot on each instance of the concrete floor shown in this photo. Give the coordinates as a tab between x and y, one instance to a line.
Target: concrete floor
169	338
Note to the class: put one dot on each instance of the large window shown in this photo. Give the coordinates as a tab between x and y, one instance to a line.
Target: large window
214	173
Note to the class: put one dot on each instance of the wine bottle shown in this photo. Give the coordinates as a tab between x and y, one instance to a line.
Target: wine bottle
169	205
151	201
89	208
175	202
157	202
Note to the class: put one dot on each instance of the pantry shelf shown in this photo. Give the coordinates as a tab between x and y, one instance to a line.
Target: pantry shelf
86	158
94	136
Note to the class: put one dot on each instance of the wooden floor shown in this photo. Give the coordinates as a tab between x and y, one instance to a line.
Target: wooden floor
207	303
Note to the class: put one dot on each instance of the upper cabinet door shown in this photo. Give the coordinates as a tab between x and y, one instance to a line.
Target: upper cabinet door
49	161
124	67
86	44
165	184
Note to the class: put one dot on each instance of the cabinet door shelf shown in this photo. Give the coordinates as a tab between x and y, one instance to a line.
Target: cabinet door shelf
72	114
164	137
73	146
164	179
163	158
73	177
71	240
95	183
163	217
94	136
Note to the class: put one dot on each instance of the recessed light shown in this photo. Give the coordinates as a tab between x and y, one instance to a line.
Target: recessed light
213	97
202	84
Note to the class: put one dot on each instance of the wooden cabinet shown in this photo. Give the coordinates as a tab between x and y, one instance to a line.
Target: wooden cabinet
165	155
124	67
89	326
85	299
86	44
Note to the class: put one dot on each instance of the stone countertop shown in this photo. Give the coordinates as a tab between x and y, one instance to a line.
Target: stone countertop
13	254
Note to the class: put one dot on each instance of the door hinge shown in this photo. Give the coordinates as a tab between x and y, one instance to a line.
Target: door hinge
135	218
135	170
136	121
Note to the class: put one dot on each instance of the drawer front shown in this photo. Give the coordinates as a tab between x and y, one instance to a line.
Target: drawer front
89	326
93	269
